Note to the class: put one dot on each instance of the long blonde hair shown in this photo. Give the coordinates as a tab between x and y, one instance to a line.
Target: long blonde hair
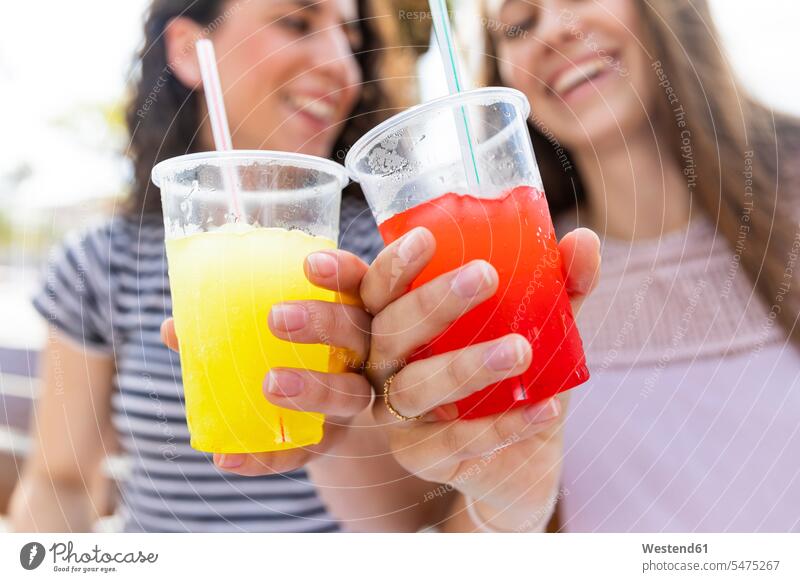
743	161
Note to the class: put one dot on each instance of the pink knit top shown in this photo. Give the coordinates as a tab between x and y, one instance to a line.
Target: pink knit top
691	420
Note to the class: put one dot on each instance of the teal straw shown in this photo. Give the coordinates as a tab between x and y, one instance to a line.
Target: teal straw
444	40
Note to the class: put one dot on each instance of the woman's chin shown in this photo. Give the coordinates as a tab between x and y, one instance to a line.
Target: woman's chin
599	122
315	146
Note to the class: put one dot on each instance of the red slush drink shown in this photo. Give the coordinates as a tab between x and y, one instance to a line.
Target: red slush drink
515	234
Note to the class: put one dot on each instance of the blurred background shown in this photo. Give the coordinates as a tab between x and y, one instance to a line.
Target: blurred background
64	70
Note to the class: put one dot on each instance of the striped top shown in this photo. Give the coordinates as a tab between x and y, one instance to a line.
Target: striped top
107	288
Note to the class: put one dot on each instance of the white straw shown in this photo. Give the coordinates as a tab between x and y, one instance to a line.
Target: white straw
217	116
444	40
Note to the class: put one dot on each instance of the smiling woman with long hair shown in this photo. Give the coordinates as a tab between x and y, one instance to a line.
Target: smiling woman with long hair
305	77
644	134
299	76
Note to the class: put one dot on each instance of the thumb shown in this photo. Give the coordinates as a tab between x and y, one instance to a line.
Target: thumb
580	255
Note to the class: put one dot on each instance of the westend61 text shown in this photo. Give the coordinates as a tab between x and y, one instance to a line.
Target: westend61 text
670	549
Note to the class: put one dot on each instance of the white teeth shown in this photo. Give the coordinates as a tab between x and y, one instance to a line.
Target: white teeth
577	74
318	108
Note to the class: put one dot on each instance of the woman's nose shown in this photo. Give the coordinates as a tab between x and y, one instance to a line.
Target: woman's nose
554	25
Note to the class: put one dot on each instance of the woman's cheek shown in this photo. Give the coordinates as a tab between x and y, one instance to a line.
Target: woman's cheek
353	86
508	69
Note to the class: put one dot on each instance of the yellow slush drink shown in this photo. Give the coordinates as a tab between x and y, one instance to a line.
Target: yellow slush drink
223	285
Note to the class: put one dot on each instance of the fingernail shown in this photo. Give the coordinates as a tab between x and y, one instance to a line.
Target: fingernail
593	234
229	460
506	354
288	317
470	280
284	383
322	264
543	411
412	246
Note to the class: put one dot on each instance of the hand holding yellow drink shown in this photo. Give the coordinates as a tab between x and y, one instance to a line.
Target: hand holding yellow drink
227	273
238	226
221	311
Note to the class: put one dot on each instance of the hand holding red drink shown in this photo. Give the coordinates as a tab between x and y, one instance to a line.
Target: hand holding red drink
481	202
511	485
473	333
514	234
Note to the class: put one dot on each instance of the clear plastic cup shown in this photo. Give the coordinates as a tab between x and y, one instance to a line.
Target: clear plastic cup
225	276
413	174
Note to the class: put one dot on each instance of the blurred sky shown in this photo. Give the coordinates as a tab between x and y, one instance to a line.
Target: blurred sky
62	62
59	63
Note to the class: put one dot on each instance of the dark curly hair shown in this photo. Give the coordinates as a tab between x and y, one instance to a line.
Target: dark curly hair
163	114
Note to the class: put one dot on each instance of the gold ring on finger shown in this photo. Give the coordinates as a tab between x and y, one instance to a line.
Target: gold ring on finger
392	409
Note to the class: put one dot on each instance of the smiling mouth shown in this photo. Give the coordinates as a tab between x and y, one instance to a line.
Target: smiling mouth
577	75
319	110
